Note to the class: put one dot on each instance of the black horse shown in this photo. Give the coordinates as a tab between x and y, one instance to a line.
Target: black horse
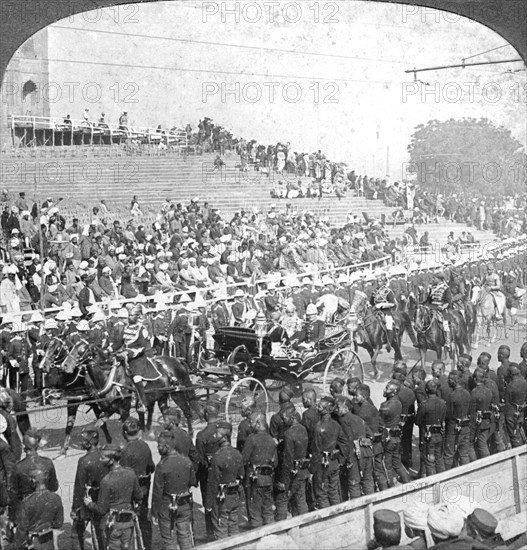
431	336
372	335
89	373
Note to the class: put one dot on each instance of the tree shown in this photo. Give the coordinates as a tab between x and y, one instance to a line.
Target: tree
467	154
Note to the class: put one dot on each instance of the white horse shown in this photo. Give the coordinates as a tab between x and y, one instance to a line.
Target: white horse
490	309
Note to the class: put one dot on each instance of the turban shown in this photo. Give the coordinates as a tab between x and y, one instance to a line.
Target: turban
445	521
466	505
416	517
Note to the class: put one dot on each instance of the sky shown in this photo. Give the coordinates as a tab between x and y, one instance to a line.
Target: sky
320	75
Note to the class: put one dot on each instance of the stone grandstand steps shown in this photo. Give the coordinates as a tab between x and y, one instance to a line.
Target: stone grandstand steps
87	180
86	177
438	232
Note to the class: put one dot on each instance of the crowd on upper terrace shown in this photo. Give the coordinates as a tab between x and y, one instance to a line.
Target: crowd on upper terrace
187	247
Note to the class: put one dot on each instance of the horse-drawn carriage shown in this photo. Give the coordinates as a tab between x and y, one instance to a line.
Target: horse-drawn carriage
250	364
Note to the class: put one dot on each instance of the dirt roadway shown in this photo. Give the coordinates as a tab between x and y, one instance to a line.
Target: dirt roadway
53	423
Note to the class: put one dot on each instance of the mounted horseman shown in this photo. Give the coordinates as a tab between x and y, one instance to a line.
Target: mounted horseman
383	300
133	345
439	299
493	286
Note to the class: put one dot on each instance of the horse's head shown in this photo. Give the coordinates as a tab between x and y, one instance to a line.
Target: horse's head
51	354
422	317
476	294
78	355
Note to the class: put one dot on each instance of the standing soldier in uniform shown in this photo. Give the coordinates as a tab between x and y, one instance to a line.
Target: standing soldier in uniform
119	490
184	444
480	415
172	497
359	461
34	331
389	421
248	406
457	427
18	359
20	482
260	459
137	456
7	462
293	468
90	471
497	426
406	396
310	417
329	452
504	353
206	446
463	366
438	374
431	418
40	512
514	409
223	484
364	409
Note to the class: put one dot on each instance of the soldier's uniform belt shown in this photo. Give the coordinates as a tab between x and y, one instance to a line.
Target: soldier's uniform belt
125	518
301	464
462	422
486	415
329	456
179	499
434	428
144	480
394	432
230	488
262	470
42	537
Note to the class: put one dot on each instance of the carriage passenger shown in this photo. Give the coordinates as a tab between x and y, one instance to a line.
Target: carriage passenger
314	329
290	320
277	334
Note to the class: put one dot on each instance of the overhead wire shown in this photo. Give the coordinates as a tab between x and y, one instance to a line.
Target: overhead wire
214	71
228	45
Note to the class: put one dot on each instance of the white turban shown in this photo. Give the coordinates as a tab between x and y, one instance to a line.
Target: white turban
445	521
416	516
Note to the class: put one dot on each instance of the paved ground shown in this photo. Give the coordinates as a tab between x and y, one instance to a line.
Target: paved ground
53	423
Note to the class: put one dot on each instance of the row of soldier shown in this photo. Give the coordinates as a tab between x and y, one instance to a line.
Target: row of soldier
341	447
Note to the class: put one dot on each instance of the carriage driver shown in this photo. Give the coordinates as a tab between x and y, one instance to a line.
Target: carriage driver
383	300
440	298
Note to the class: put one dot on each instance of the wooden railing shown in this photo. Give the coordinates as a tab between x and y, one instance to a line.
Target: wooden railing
497	483
115	132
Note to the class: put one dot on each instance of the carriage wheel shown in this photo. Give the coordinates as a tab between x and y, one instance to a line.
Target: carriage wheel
344	363
246	387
